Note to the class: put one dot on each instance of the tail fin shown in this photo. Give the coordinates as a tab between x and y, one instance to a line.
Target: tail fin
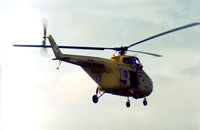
54	46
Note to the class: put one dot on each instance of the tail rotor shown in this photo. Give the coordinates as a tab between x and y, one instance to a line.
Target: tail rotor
44	46
44	21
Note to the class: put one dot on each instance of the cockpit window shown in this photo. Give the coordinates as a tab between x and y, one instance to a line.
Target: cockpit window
131	60
126	60
137	61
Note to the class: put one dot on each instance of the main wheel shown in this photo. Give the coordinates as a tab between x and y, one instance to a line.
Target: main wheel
95	99
128	104
145	102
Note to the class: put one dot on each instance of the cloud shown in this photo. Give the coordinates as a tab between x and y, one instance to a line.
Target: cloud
127	2
192	71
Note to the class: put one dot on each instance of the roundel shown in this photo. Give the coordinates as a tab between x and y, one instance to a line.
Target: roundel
56	48
98	78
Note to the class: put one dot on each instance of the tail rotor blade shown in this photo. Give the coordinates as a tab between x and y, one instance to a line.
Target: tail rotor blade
45	32
44	52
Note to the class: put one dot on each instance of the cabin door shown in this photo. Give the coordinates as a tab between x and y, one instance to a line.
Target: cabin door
133	80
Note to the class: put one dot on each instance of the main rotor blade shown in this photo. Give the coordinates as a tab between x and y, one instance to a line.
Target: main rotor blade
85	48
152	54
31	46
68	47
164	33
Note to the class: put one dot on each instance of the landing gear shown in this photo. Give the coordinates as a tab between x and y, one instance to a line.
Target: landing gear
128	104
95	98
145	102
59	64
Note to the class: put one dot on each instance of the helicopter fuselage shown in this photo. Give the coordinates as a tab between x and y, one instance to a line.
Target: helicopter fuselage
120	75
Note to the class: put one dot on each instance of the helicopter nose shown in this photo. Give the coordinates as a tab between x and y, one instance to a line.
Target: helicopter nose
150	85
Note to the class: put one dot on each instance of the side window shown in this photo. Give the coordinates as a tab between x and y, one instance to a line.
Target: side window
125	74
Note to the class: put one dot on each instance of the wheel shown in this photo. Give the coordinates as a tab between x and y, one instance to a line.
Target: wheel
128	104
145	102
95	99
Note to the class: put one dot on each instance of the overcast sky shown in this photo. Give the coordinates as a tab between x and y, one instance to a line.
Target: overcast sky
36	96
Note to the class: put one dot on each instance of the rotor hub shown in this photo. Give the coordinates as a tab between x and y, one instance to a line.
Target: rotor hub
121	50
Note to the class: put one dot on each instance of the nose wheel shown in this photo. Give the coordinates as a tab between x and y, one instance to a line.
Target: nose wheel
145	102
128	104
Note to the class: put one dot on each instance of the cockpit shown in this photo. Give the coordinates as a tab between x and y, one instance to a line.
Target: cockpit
133	61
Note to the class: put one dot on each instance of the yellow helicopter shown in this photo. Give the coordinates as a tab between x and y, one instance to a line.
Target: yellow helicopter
121	75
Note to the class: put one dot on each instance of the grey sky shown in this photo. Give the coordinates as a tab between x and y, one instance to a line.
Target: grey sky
35	96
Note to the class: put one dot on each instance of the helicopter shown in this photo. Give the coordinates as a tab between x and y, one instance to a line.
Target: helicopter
121	75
